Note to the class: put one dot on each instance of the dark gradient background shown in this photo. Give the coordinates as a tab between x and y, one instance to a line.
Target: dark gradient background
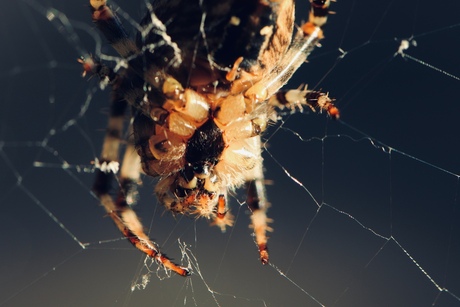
341	255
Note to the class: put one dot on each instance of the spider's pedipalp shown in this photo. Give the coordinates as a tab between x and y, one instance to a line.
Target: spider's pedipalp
223	217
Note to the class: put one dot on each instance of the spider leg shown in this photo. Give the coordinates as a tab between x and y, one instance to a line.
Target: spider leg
297	98
305	41
110	26
120	209
258	204
108	23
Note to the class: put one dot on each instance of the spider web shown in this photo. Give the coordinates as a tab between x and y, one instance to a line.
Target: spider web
365	209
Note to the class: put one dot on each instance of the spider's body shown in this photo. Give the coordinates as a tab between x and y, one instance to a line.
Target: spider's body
201	81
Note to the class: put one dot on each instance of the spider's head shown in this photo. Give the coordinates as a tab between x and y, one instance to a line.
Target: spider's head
188	192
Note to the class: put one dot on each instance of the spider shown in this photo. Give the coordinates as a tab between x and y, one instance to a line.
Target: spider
202	80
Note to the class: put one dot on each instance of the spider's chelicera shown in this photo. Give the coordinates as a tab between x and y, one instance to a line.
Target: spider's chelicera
202	81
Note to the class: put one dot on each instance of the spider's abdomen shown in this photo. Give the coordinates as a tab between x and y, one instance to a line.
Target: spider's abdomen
209	38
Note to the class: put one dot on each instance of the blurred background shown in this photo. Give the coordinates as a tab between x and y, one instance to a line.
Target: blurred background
366	209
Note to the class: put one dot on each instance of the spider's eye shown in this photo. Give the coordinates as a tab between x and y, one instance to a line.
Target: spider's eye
201	170
319	2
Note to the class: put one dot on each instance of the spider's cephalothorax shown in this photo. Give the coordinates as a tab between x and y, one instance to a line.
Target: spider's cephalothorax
203	83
